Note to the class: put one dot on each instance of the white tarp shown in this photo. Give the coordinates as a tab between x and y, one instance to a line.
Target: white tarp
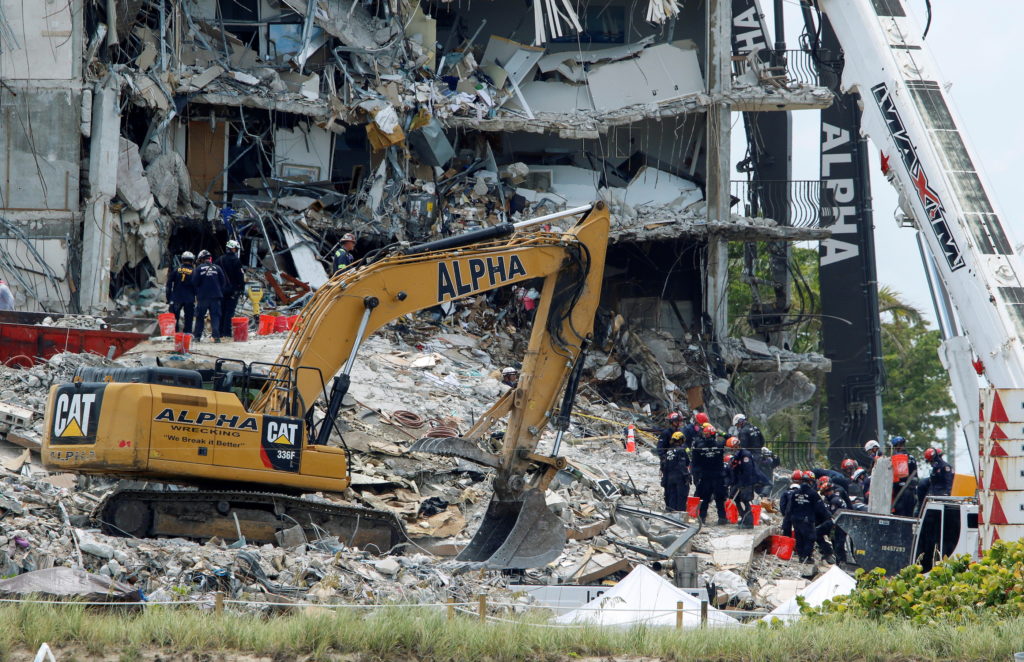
644	598
832	583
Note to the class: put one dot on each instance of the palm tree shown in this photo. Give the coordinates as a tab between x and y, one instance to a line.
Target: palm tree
902	314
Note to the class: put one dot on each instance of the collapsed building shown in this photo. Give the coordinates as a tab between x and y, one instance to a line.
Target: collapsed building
137	129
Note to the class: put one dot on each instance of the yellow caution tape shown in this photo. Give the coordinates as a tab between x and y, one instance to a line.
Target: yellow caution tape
608	420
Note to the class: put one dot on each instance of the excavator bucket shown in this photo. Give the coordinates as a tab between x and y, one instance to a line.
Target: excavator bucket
517	534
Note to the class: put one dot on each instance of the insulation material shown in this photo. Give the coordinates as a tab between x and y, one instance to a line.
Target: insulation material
552	19
659	11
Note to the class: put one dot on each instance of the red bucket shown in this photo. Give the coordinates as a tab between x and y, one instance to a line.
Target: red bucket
240	329
182	342
266	325
280	324
755	513
732	513
693	506
167	322
782	547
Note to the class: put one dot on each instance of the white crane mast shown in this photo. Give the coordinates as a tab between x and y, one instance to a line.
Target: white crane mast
907	115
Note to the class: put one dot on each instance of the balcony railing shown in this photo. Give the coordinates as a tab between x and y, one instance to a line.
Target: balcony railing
783	68
796	202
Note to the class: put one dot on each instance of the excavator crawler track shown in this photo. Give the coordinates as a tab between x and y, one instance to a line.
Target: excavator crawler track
204	514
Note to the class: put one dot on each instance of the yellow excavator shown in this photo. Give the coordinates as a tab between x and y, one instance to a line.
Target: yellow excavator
244	439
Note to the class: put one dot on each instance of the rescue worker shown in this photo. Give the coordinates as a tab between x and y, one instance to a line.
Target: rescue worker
805	511
231	265
904	488
873	451
181	292
675	474
847	468
837	489
834	502
343	255
746	477
209	283
834	476
784	500
940	481
749	435
693	428
709	473
510	377
675	422
861	479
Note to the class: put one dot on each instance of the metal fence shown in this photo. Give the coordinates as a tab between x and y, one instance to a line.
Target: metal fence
795	202
798	454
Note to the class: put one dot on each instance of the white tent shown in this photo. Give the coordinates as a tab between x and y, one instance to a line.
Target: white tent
644	598
832	583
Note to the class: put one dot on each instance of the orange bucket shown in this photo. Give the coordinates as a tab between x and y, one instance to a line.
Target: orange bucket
782	547
167	322
755	513
732	513
266	325
182	342
693	506
239	329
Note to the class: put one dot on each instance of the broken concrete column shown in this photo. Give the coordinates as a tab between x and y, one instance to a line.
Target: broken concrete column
719	68
103	158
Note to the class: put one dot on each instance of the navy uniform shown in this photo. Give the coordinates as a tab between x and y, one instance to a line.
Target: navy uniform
834	502
210	284
806	511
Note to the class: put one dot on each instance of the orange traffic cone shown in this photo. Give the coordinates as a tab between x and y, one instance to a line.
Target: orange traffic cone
631	438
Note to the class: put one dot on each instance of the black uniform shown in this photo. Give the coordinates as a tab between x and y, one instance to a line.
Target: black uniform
181	294
784	499
232	268
676	478
940	482
750	436
904	491
210	284
834	502
745	477
806	511
664	443
709	475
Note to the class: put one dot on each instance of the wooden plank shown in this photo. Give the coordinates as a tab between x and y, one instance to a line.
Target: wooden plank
622	565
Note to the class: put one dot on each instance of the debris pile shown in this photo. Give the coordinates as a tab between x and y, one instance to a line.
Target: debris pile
412	378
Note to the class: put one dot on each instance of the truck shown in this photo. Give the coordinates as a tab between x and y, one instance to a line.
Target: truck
244	439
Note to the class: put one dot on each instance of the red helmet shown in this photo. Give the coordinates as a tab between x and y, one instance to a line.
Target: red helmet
849	465
701	418
709	430
809	476
824	484
675	417
727	459
797	476
732	442
932	454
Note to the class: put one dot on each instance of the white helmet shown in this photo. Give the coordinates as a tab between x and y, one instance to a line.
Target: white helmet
737	418
870	446
232	244
509	371
187	255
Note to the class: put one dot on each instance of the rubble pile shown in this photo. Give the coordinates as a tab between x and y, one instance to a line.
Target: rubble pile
416	375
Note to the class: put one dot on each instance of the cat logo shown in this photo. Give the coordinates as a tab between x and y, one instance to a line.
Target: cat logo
282	443
74	413
281	433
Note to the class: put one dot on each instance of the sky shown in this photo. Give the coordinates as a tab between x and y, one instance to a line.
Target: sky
975	45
